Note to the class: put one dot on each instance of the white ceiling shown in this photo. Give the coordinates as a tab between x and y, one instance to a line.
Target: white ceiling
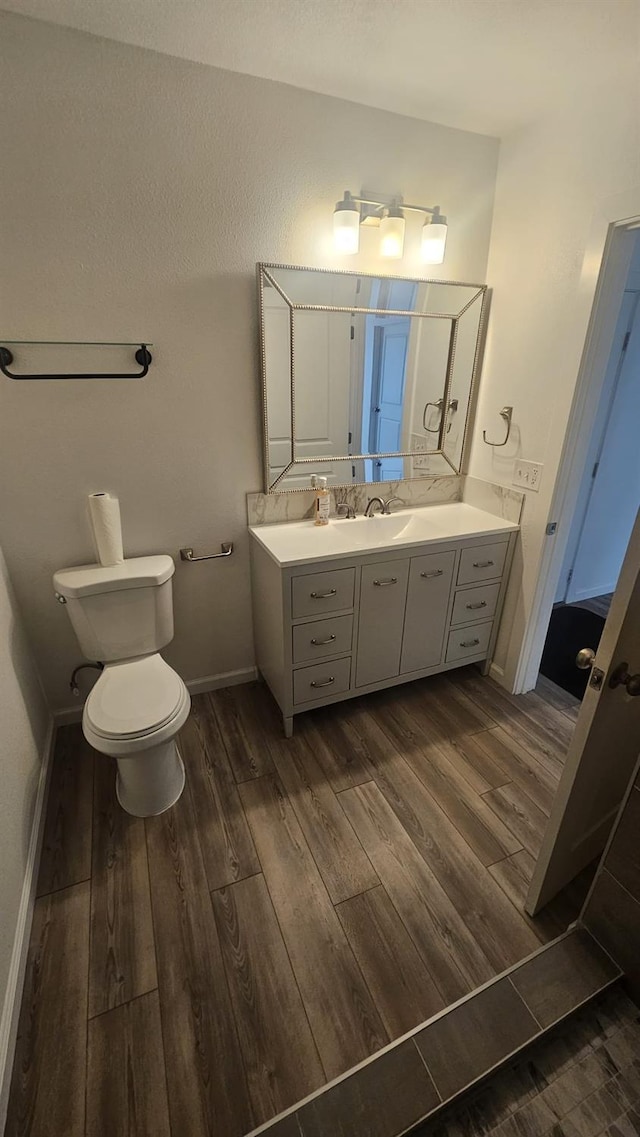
482	65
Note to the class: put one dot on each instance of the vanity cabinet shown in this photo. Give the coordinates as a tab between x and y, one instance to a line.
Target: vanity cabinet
331	631
383	595
425	620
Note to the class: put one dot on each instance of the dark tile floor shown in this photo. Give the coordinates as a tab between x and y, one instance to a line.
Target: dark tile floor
306	901
581	1080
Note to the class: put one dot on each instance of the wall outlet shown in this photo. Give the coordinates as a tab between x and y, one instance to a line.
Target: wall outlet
527	474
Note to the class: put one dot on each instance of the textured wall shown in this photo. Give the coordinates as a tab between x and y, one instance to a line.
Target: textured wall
612	912
24	719
137	192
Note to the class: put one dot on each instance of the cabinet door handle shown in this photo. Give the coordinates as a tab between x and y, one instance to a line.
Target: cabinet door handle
324	683
321	643
483	564
469	643
383	583
481	604
428	575
323	595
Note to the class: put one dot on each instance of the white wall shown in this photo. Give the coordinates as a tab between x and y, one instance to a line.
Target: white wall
24	724
558	182
137	192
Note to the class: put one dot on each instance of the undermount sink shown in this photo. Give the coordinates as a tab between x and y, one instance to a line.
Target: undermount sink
382	528
297	542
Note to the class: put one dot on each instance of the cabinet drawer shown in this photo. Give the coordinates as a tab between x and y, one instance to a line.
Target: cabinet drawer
485	562
426	612
322	592
475	604
321	680
322	637
472	640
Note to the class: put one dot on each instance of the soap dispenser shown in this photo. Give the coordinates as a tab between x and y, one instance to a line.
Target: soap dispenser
323	499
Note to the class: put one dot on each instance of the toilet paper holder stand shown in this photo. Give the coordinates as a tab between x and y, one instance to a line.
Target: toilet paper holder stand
226	546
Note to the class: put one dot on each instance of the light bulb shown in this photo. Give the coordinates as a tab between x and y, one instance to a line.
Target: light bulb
434	239
392	235
346	226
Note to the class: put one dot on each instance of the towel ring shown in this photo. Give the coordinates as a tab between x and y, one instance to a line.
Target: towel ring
506	413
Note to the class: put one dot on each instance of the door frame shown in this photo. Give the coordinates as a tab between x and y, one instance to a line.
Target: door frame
608	254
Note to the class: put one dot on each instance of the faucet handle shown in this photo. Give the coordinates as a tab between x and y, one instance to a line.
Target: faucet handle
343	509
390	501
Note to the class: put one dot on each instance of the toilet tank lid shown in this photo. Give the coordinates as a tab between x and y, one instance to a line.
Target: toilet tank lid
137	572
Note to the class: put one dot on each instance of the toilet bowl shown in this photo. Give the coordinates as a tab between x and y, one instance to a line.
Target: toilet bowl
134	713
122	615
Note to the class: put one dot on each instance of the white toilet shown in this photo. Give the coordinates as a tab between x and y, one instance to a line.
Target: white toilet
122	616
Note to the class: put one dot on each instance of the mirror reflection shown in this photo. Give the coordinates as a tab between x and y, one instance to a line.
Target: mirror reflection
366	378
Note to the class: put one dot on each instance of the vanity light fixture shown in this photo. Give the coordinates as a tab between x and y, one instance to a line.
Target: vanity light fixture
434	238
392	232
346	225
388	214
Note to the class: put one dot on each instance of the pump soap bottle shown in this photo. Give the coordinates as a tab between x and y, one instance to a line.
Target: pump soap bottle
323	500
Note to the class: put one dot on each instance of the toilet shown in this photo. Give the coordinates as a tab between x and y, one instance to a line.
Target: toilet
122	616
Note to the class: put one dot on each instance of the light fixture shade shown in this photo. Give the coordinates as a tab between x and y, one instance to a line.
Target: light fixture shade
434	239
392	235
346	226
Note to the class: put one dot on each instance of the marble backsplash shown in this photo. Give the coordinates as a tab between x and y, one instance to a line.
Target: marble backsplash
268	509
501	501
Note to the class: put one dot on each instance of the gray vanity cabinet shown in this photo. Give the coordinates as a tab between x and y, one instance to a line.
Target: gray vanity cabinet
383	596
425	620
334	629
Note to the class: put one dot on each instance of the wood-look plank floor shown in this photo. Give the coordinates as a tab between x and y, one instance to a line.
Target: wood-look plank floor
305	902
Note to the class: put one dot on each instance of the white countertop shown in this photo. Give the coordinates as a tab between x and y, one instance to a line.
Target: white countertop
299	542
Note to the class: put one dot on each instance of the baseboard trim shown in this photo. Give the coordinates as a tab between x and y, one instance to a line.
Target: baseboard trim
224	679
18	964
497	673
67	715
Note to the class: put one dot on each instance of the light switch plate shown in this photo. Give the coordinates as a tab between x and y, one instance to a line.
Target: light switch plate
527	474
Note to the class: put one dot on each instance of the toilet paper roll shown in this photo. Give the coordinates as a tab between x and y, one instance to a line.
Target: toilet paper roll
104	511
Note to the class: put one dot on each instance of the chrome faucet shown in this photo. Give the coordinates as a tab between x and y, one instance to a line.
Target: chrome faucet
343	509
374	501
384	505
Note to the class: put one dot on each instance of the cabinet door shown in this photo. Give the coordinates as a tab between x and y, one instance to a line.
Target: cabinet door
427	603
383	594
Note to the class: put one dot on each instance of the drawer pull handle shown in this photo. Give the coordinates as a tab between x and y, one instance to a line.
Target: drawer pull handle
383	583
323	595
321	643
469	643
481	604
428	575
483	564
324	683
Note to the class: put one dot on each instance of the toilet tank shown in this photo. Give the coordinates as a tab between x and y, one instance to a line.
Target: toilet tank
119	611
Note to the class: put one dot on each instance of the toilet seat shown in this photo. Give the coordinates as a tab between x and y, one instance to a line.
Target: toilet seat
135	704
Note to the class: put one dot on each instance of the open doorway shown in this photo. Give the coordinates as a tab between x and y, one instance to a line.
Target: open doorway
606	507
594	630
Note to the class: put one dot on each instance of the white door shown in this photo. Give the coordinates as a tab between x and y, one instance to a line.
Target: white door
604	748
390	343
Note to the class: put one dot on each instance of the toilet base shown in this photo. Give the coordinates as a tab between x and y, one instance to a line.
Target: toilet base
150	781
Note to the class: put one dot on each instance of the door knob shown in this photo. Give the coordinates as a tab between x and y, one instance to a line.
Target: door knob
585	658
621	678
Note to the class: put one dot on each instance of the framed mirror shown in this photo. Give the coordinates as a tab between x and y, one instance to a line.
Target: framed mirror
365	378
